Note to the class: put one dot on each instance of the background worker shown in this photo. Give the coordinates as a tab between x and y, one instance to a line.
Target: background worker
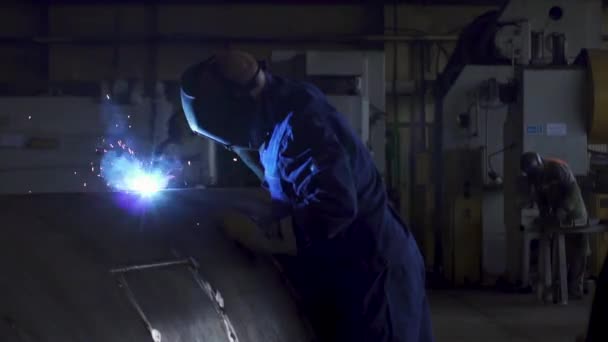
560	203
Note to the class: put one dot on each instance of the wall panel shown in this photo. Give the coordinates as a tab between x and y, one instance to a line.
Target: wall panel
19	20
87	63
267	20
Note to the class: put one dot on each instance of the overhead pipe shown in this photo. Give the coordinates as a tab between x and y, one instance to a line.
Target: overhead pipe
411	38
198	39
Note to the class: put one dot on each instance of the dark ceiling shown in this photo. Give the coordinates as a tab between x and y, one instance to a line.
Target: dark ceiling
497	3
278	2
283	2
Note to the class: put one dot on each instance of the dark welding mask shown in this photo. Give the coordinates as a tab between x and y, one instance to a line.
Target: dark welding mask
219	108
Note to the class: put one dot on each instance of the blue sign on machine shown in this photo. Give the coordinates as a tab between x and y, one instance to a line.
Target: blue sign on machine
534	129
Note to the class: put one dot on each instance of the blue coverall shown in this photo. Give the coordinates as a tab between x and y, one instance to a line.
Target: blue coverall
358	270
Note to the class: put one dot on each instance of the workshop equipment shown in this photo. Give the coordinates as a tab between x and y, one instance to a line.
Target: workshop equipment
598	207
511	86
550	120
463	238
597	63
558	261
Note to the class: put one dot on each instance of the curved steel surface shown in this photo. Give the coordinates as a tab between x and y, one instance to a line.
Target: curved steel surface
57	283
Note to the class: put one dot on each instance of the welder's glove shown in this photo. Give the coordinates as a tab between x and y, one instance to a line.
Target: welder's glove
259	235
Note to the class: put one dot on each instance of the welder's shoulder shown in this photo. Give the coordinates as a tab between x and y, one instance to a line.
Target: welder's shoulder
302	94
312	117
558	170
309	124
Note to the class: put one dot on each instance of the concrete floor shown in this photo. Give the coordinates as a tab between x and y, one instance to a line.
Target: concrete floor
461	316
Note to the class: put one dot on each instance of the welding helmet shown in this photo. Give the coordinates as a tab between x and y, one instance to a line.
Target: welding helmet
218	102
531	164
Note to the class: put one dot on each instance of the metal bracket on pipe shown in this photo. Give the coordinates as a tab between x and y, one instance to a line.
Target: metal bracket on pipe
140	267
122	281
215	297
192	264
156	335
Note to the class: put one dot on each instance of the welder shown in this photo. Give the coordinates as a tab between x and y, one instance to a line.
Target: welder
356	266
560	204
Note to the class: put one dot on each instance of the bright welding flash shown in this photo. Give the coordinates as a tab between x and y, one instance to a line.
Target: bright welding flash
129	174
146	184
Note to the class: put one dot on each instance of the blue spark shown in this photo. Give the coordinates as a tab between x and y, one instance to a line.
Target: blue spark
126	173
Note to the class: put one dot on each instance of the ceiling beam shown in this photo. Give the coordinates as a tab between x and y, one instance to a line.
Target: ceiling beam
283	2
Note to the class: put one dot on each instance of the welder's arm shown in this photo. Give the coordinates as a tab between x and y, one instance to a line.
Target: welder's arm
261	237
567	202
538	198
317	168
559	188
253	224
544	208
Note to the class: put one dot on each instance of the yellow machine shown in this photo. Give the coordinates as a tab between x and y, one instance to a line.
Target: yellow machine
598	134
465	252
598	208
598	74
462	240
461	218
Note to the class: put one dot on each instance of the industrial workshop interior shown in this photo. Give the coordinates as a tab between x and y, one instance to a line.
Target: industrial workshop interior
299	171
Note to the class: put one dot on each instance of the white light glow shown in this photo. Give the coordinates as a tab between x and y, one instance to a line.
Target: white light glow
127	173
146	184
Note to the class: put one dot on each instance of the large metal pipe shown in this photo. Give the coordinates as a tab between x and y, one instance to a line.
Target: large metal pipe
99	267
